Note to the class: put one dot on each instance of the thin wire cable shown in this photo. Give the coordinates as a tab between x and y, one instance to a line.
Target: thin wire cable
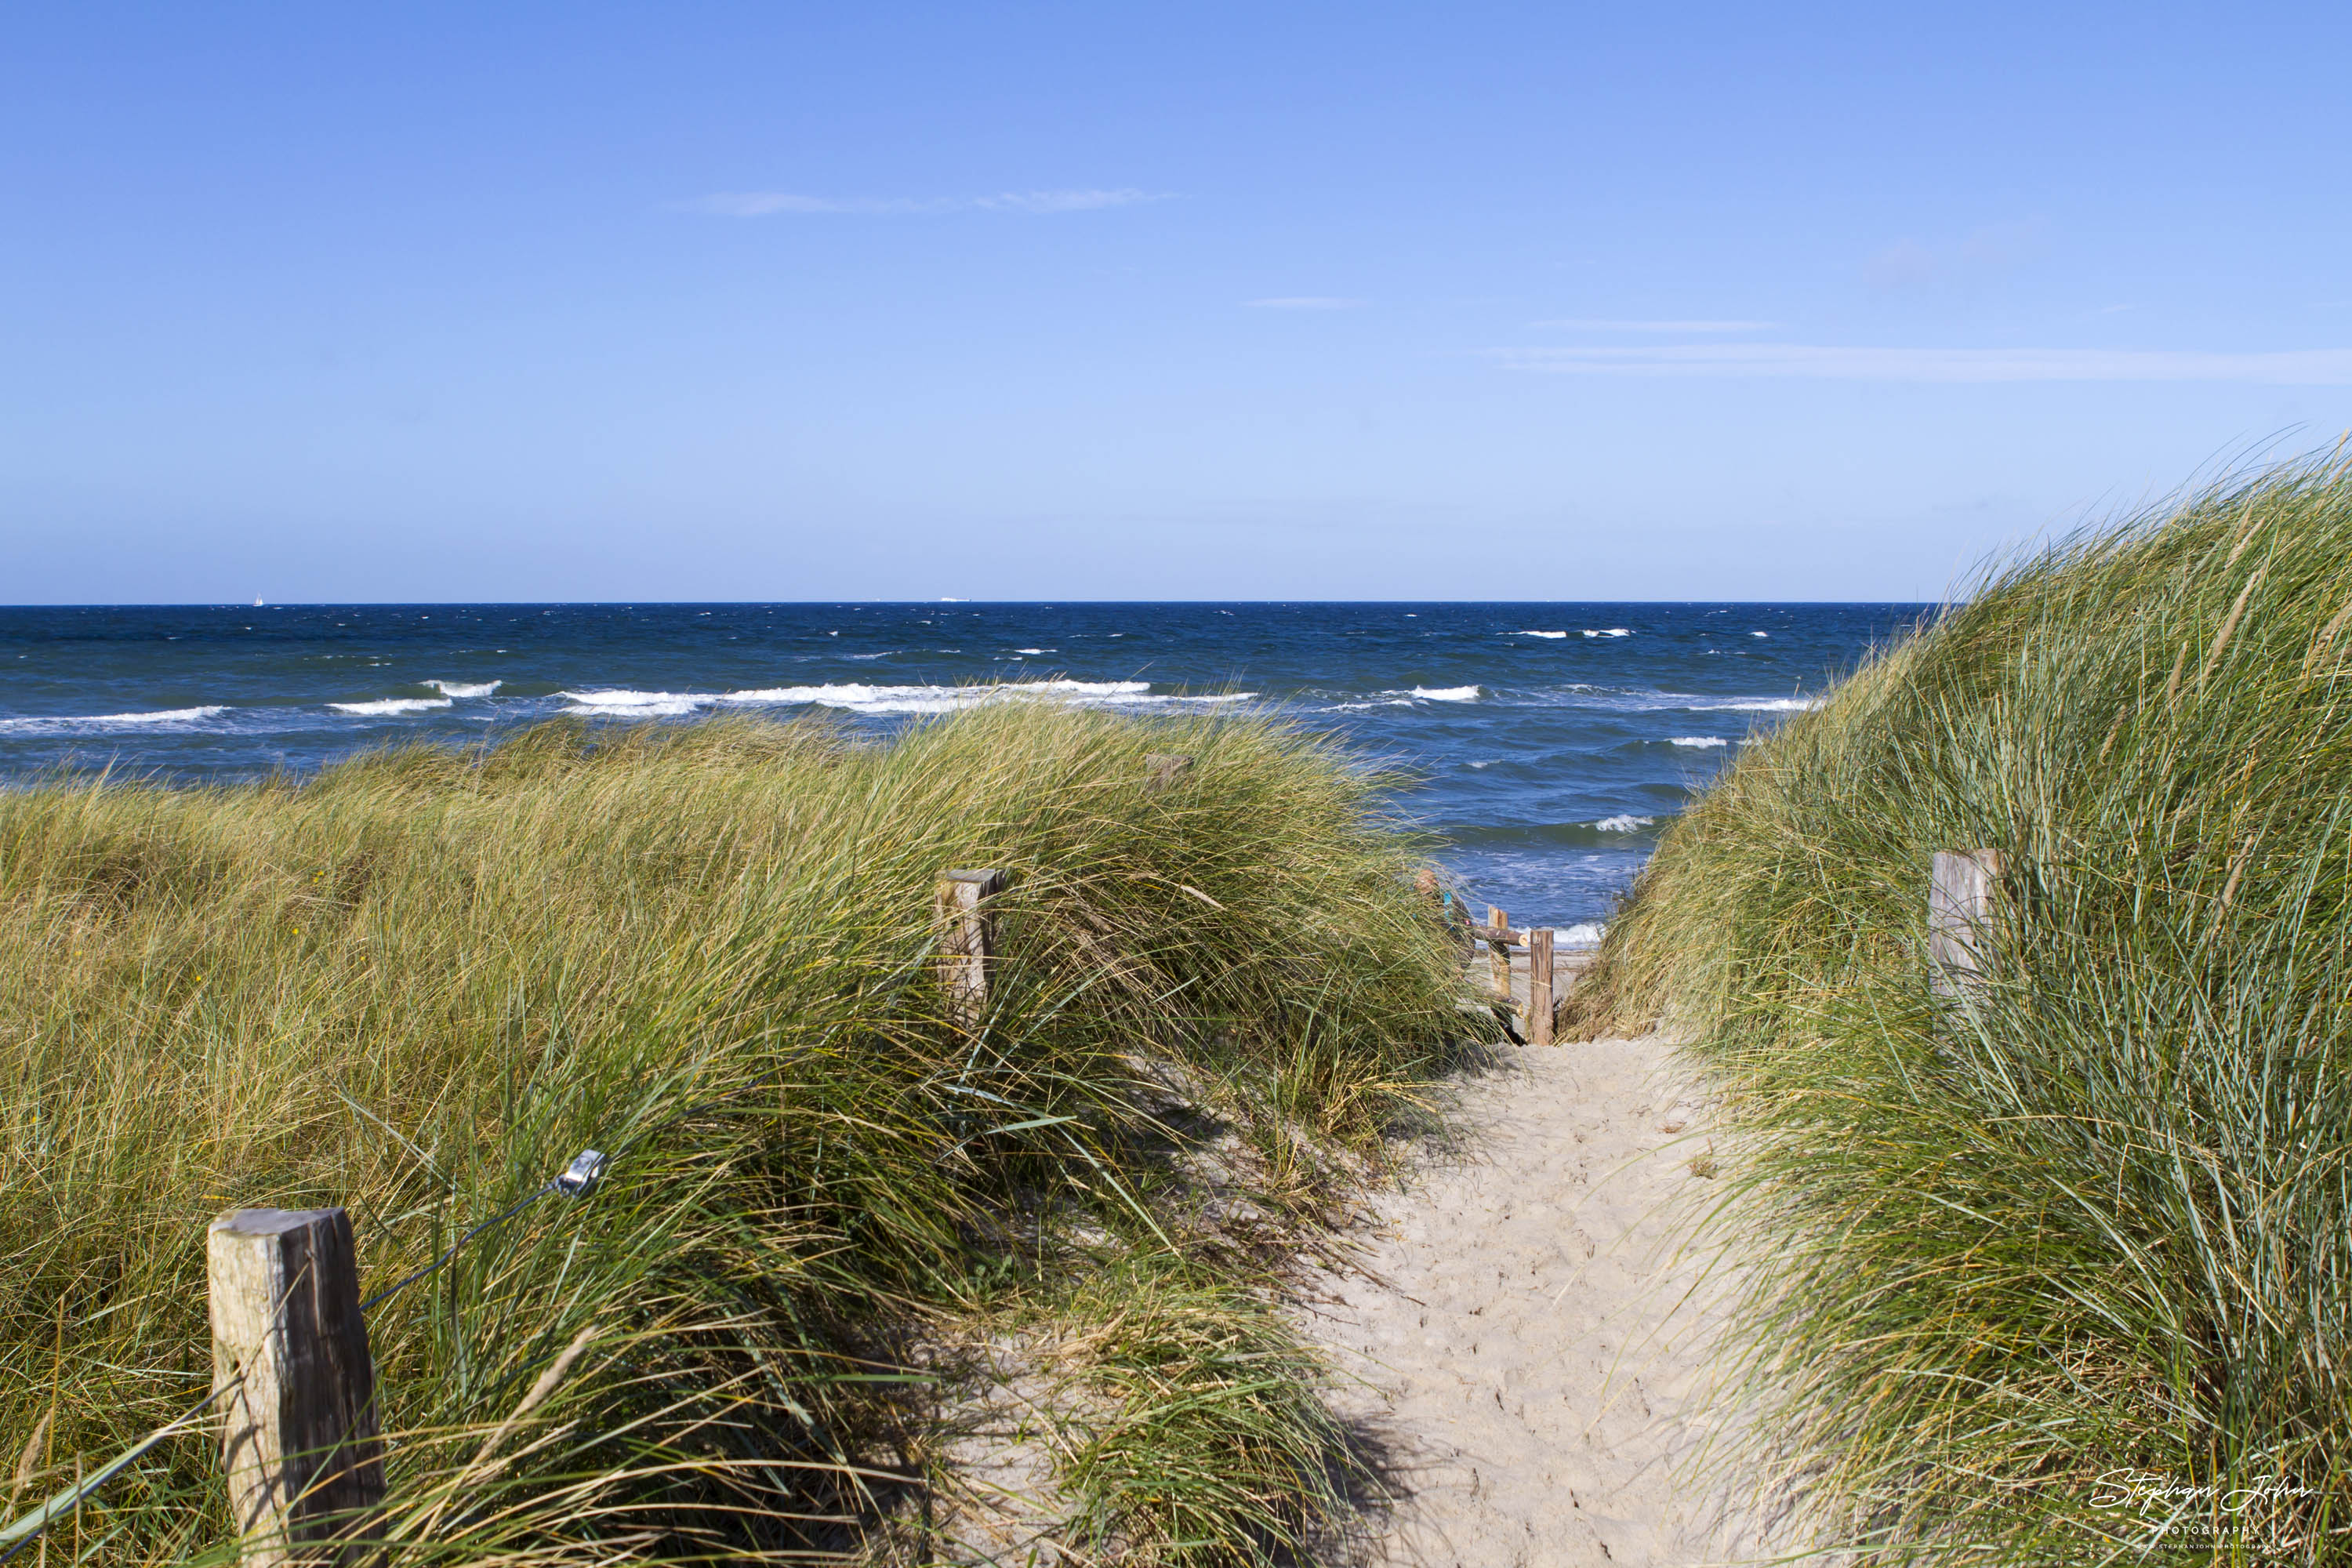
499	1218
57	1506
553	1183
65	1501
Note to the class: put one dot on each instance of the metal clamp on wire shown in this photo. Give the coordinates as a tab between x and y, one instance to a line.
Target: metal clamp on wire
584	1172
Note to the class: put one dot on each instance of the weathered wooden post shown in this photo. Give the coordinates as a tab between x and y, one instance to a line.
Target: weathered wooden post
967	941
1960	884
1540	997
298	1433
1498	951
1163	770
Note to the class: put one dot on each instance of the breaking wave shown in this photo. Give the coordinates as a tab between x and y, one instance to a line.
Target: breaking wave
854	697
387	706
113	721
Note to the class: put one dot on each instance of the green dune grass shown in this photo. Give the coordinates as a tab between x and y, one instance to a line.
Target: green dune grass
2096	1221
418	984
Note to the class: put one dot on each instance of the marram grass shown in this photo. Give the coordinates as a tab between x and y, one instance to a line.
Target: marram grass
2061	1275
418	984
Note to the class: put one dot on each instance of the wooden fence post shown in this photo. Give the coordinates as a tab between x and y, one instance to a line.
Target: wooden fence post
1498	952
966	941
298	1436
1959	917
1539	996
1163	770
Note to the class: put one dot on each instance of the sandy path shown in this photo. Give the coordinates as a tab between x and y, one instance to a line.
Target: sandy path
1531	1323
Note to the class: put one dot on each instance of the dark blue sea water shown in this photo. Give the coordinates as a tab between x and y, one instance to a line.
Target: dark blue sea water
1549	739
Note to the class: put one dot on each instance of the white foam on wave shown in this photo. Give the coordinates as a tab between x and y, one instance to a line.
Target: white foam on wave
861	698
1636	700
1544	634
464	687
1583	934
1612	632
624	703
1625	822
75	721
385	707
1448	694
1759	634
1700	740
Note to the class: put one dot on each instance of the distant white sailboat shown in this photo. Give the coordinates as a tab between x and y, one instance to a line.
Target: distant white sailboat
256	604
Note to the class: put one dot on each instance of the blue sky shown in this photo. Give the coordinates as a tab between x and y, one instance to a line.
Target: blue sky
698	301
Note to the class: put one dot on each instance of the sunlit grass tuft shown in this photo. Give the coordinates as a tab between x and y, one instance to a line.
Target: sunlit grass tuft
2097	1222
418	984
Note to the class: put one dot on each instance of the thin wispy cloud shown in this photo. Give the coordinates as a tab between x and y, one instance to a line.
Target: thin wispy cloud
1583	326
773	204
1304	302
2299	367
1982	253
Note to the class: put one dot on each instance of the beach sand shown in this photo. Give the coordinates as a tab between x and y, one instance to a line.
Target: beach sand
1532	1325
1529	1333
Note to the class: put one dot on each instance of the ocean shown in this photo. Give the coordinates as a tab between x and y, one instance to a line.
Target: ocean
1547	743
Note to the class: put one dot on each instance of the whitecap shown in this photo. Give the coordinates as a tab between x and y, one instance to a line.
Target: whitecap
856	697
1543	633
877	700
161	716
1447	693
385	707
1700	740
1612	632
623	703
1759	705
1582	934
1625	822
463	687
1759	634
